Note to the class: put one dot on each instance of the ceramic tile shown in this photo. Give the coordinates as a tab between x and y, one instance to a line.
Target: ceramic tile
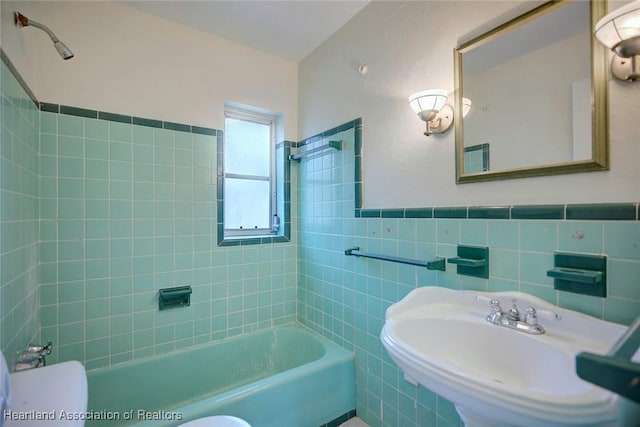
503	234
473	232
448	231
49	122
593	306
607	211
79	112
538	235
70	125
622	239
621	310
96	149
494	212
623	279
96	129
70	146
504	264
580	236
538	212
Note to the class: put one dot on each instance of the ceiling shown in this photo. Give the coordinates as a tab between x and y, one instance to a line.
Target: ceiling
286	28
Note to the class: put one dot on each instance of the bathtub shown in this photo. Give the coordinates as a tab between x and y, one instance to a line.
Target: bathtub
281	377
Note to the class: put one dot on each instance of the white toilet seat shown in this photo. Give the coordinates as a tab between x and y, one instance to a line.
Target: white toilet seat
217	421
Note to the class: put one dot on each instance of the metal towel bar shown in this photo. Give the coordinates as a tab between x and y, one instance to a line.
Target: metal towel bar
437	263
336	145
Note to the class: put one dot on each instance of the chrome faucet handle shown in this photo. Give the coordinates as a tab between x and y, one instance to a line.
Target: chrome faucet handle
530	316
495	316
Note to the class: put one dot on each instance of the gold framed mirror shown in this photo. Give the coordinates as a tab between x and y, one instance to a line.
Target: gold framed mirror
538	86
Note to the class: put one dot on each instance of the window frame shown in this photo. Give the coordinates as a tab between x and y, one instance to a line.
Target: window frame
264	119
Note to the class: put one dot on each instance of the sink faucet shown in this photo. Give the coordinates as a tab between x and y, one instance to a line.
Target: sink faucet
514	313
33	357
513	320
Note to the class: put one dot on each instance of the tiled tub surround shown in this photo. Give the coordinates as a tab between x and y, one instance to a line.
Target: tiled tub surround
344	298
99	211
126	210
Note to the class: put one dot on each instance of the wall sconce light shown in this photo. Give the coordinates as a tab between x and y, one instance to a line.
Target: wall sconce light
620	32
431	106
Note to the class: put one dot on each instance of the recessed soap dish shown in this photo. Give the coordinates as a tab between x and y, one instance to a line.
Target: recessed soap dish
174	297
578	273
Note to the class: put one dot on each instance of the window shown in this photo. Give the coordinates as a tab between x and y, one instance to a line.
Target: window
249	173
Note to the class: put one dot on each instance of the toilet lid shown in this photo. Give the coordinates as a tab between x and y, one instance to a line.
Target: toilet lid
217	421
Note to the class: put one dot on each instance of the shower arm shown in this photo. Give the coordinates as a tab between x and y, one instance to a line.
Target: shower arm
63	50
23	21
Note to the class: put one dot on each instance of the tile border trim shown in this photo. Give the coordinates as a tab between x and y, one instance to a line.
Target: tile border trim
340	128
129	120
569	212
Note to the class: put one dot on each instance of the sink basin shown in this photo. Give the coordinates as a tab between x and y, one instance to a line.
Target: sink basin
498	376
52	396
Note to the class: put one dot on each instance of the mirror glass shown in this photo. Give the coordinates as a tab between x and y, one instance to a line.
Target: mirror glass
539	100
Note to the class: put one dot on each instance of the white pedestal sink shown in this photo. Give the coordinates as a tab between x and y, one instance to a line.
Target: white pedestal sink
498	376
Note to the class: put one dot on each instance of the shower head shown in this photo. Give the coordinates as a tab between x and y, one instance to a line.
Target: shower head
63	50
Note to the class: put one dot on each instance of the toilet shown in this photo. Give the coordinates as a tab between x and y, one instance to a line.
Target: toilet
217	421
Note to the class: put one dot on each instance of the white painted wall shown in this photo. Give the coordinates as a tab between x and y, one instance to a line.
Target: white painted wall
132	63
408	46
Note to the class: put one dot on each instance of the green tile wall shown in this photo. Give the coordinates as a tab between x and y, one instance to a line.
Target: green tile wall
127	209
345	298
19	123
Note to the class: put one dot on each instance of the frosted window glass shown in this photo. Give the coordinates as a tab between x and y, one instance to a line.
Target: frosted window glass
246	204
247	149
248	166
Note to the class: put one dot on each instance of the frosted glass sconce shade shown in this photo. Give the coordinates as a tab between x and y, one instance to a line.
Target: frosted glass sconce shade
620	32
427	103
619	28
431	106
